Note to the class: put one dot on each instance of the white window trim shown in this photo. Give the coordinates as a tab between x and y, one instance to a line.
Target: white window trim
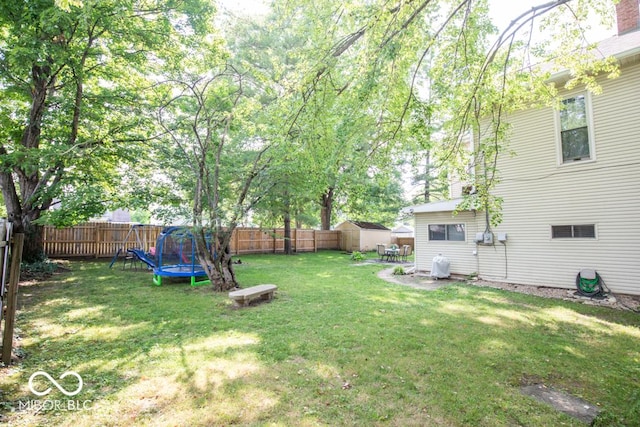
445	224
592	143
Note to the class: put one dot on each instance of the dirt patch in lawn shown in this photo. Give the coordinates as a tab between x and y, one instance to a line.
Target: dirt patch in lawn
563	402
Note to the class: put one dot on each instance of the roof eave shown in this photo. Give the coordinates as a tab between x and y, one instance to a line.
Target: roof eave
622	58
442	206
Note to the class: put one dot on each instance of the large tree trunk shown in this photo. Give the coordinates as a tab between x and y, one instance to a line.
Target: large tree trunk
288	250
326	206
23	209
223	278
219	264
23	218
33	250
427	178
23	222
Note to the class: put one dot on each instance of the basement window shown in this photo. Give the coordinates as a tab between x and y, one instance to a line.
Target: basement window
453	232
587	231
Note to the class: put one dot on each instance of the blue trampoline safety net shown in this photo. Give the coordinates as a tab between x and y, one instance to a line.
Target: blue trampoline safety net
176	254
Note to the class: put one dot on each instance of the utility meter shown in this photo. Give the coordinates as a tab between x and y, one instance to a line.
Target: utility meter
488	238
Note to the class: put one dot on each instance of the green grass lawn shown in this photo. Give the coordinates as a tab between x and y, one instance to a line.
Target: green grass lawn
337	346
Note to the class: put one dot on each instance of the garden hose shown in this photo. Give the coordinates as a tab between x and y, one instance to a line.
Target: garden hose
589	283
593	286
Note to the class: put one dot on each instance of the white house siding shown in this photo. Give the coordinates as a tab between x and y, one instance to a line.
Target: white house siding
460	254
538	193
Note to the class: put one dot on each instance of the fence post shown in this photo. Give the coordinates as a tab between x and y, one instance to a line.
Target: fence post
275	242
96	239
315	241
12	297
295	240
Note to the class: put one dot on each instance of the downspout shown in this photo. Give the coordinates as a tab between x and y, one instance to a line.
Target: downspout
487	228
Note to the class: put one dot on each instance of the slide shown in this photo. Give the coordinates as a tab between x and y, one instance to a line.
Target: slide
142	256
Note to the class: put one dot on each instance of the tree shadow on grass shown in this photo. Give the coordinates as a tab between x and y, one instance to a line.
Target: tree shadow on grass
338	346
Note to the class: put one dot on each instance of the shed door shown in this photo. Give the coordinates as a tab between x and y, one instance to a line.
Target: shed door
349	240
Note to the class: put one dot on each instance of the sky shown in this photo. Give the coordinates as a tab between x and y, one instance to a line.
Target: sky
502	12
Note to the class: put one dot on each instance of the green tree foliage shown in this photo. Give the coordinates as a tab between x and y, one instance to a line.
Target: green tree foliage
377	198
380	58
328	92
72	75
212	150
335	121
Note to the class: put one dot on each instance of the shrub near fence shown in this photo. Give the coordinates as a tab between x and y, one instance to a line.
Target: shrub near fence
103	239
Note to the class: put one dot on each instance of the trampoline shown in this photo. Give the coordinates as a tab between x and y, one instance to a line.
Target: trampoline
176	257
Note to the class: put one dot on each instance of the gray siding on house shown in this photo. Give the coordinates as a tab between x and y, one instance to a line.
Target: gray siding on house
539	193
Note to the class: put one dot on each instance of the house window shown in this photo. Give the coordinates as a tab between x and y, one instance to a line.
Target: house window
575	132
587	231
454	232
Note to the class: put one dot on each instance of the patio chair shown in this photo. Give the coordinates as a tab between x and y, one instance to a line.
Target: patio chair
382	251
405	252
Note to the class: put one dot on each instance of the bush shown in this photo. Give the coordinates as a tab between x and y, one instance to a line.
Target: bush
39	269
398	271
357	256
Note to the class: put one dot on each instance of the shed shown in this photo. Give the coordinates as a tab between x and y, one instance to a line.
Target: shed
362	236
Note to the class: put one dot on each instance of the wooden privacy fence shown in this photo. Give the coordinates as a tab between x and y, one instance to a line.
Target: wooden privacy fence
98	239
257	240
103	239
400	241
